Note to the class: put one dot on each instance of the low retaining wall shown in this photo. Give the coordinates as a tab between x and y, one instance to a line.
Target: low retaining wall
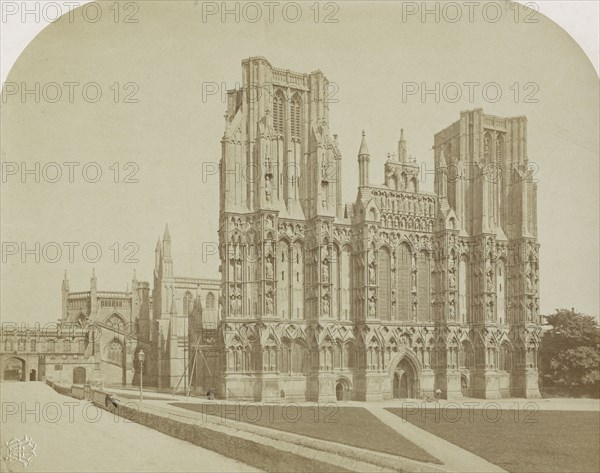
266	450
77	391
59	388
244	450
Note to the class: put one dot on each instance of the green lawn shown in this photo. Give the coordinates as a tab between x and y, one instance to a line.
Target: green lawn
520	442
347	425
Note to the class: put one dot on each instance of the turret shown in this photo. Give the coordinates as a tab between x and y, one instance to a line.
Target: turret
401	171
65	295
93	293
402	147
157	255
167	260
363	162
93	280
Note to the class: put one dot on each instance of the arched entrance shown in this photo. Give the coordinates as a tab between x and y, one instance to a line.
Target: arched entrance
14	369
32	375
339	391
405	380
342	389
79	375
464	386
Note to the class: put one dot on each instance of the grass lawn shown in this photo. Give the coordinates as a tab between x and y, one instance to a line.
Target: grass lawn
346	425
519	441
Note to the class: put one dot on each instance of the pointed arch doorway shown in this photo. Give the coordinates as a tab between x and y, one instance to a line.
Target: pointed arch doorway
464	386
405	381
342	389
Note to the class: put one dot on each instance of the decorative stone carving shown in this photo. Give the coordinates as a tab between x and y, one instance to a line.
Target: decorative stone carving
325	271
269	304
372	308
269	267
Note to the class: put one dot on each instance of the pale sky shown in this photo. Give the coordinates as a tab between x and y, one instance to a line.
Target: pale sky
171	56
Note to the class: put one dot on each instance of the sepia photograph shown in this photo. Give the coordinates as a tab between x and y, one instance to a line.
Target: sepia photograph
300	236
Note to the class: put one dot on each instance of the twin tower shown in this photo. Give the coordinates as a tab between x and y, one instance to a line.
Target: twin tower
397	294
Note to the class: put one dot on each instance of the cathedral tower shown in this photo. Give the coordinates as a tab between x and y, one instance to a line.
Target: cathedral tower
489	199
280	193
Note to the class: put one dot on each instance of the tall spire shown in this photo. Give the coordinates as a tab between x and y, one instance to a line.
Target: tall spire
402	147
157	255
167	260
65	296
93	280
363	162
363	151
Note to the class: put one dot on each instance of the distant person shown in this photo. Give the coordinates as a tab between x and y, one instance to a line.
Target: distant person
110	401
210	394
438	393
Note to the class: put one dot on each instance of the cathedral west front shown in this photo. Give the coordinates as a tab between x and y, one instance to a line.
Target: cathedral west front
395	295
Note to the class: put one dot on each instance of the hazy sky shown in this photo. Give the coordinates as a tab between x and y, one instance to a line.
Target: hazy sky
172	55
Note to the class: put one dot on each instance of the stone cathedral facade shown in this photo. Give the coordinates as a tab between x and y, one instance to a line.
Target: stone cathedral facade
394	295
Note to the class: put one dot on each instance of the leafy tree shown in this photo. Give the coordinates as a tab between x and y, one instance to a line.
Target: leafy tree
570	352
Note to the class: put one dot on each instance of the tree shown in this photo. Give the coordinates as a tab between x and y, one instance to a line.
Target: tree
570	352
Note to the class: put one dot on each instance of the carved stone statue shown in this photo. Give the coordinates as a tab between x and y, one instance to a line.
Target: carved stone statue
269	268
238	269
325	272
268	188
414	308
371	308
239	301
489	313
269	304
452	280
325	306
372	273
490	280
